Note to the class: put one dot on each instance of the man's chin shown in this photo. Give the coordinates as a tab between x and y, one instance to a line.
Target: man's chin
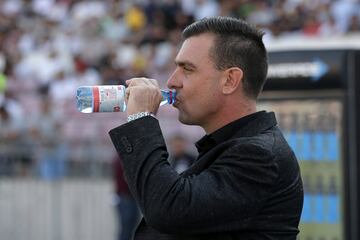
181	118
185	120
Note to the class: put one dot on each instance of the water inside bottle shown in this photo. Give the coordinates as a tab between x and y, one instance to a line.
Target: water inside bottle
87	110
84	100
168	97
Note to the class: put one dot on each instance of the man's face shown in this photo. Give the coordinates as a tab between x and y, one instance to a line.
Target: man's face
197	82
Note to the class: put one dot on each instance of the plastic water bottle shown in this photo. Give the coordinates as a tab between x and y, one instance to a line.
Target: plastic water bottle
110	98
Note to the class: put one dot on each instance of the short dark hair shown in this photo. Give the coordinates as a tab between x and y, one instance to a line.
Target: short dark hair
237	44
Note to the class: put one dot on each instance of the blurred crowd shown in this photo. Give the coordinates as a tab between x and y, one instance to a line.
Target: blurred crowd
50	47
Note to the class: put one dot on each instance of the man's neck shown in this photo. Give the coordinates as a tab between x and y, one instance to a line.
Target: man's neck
230	112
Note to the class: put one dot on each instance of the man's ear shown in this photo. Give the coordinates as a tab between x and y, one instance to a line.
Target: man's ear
232	80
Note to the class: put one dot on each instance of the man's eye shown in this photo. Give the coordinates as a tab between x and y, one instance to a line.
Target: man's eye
187	69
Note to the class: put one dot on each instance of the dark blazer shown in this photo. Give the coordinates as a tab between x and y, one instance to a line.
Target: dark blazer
247	187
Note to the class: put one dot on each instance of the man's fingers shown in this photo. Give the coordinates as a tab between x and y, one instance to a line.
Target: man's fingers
127	94
154	82
136	81
141	81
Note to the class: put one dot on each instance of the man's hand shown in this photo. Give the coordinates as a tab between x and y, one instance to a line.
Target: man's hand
142	95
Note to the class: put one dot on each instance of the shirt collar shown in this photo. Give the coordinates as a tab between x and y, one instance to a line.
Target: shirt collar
211	140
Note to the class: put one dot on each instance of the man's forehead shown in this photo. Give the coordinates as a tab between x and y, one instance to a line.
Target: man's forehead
195	47
204	41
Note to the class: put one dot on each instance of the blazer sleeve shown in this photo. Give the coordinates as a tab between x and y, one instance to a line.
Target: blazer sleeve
223	197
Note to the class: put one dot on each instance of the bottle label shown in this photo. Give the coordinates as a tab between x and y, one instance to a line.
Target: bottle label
109	98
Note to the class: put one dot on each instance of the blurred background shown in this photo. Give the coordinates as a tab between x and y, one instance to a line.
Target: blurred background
57	179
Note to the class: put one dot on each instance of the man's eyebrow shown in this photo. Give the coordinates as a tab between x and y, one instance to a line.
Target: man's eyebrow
184	63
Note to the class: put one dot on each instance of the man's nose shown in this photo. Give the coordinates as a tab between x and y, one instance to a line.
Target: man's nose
174	82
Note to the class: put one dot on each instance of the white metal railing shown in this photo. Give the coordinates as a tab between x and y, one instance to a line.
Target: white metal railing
71	209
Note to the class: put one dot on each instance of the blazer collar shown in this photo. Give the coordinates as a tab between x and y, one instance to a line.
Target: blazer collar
250	125
263	122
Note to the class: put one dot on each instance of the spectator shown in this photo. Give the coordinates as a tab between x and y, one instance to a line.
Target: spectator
311	26
14	144
180	158
205	8
329	28
126	209
51	149
354	25
343	10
